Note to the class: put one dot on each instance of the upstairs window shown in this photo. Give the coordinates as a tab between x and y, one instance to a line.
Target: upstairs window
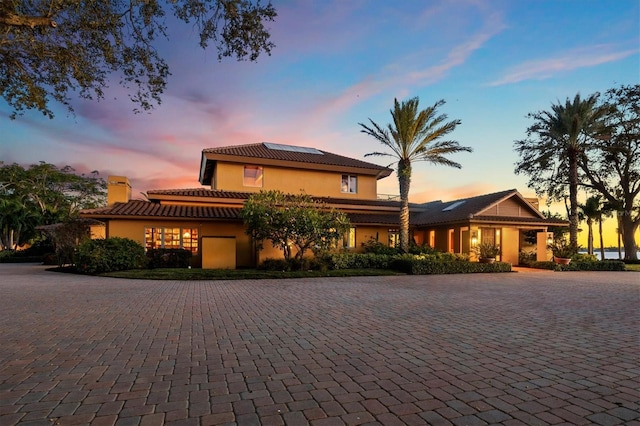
252	176
349	184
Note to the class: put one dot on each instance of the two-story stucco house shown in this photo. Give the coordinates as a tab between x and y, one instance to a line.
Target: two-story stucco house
206	220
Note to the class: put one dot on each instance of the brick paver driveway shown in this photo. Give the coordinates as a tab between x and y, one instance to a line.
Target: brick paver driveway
521	348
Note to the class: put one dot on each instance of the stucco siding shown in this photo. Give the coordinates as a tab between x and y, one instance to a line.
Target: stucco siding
230	176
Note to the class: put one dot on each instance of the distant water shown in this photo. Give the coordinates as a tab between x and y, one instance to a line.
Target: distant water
611	255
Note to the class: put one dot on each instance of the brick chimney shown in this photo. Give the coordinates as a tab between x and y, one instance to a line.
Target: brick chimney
118	190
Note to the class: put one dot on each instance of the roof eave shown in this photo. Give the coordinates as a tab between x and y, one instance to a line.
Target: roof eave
213	157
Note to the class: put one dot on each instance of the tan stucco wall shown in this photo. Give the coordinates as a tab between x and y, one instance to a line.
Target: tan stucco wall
229	177
98	232
132	229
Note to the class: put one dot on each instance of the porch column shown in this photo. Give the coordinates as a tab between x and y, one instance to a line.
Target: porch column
543	253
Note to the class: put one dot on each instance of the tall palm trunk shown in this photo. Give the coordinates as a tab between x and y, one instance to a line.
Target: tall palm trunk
590	236
601	238
404	179
573	197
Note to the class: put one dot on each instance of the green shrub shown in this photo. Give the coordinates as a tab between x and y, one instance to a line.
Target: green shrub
545	264
427	266
605	265
34	253
433	263
376	247
10	257
275	265
108	255
526	258
358	261
423	249
168	258
586	265
583	257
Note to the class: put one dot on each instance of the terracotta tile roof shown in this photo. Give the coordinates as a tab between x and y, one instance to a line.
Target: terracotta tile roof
260	150
146	209
198	192
261	153
212	194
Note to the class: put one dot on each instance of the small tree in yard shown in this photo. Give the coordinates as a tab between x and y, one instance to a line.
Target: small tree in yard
292	221
66	237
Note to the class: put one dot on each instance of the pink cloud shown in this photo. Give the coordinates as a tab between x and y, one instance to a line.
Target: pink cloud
395	76
577	58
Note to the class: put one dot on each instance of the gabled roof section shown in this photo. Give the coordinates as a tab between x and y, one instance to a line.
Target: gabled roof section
478	208
267	153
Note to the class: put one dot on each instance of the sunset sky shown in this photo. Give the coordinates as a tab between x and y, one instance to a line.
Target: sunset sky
338	63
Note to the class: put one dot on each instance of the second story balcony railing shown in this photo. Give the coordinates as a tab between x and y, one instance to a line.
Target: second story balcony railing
388	197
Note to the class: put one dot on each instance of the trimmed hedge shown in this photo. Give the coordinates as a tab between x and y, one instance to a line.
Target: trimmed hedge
293	264
168	258
20	259
108	255
604	265
358	260
435	263
428	267
34	254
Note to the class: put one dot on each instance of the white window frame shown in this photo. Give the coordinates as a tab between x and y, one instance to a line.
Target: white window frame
349	184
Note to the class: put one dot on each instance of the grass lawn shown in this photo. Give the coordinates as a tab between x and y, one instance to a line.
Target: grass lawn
633	267
238	274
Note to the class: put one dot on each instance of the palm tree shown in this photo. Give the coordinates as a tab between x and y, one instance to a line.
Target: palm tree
414	135
591	211
569	125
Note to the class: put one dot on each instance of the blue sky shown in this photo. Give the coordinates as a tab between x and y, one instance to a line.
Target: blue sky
338	63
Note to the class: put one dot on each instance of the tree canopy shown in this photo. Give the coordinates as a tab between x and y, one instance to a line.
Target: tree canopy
292	221
611	164
42	194
606	152
555	141
57	49
414	135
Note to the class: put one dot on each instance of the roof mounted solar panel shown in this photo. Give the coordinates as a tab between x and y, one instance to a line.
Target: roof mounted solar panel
291	148
454	205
